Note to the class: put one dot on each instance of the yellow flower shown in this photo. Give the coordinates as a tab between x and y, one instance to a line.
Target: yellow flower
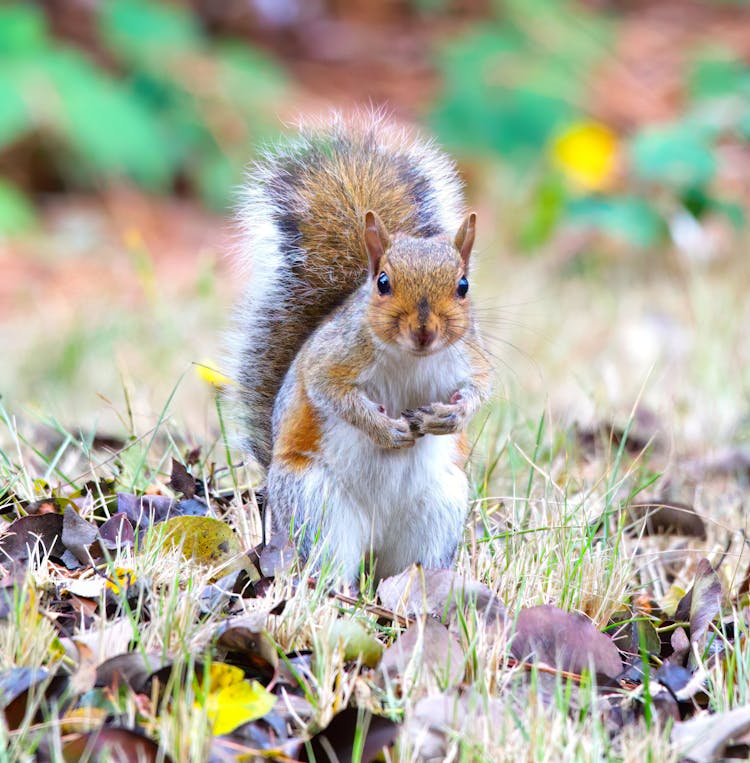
211	375
587	154
120	579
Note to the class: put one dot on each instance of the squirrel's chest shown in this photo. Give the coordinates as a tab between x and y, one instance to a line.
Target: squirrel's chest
403	382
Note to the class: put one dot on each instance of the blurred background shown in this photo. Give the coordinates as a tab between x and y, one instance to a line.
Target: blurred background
605	146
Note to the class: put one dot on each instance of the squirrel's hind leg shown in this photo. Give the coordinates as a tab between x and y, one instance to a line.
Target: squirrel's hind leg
428	528
328	531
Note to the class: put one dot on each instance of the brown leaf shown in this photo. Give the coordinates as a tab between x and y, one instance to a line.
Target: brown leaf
659	517
440	593
248	646
78	534
564	640
701	604
702	739
341	734
145	510
117	532
85	674
181	480
278	555
113	745
435	721
438	650
16	686
131	668
680	644
23	536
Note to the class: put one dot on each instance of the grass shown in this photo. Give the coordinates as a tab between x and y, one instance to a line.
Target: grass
635	343
535	537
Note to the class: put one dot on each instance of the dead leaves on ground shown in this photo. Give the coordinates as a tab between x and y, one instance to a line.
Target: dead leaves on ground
253	697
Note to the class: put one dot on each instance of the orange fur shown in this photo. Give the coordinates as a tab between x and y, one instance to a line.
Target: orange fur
299	436
462	449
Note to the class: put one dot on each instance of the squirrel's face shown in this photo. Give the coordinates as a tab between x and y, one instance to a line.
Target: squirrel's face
419	296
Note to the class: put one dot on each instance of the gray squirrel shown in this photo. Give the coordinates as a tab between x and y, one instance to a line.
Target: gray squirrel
356	354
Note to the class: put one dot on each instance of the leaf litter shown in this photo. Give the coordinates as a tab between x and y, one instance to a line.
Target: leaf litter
251	696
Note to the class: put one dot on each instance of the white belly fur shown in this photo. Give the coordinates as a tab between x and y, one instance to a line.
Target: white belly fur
409	502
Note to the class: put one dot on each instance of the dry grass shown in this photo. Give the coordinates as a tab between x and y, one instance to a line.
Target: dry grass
659	345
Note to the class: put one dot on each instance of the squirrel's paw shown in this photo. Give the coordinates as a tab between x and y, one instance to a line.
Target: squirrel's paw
396	433
437	418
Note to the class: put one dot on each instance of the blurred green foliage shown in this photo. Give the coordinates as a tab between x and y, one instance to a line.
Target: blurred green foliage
172	107
509	86
158	101
513	86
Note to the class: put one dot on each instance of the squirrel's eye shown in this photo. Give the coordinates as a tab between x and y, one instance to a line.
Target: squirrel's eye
384	284
463	287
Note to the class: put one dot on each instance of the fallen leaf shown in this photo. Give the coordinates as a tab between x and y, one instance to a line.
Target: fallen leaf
248	646
15	681
25	534
84	676
267	733
682	683
132	668
88	588
350	727
437	651
78	534
181	480
203	539
231	700
701	604
633	634
440	593
278	555
83	719
20	685
108	640
191	507
145	510
435	721
564	640
355	642
113	745
659	517
116	533
702	739
293	708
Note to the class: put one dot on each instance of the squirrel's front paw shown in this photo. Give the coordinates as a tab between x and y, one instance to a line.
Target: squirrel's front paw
396	433
437	418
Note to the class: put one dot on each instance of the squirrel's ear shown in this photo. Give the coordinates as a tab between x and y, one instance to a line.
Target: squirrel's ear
376	240
464	240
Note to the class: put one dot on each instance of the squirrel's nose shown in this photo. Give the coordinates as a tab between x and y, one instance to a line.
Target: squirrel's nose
423	337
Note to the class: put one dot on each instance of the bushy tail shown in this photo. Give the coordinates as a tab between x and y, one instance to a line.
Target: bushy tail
302	214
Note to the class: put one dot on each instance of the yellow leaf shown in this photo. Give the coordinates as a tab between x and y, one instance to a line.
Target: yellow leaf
211	375
204	539
221	675
587	154
232	701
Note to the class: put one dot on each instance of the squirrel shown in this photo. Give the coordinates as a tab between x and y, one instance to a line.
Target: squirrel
357	357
